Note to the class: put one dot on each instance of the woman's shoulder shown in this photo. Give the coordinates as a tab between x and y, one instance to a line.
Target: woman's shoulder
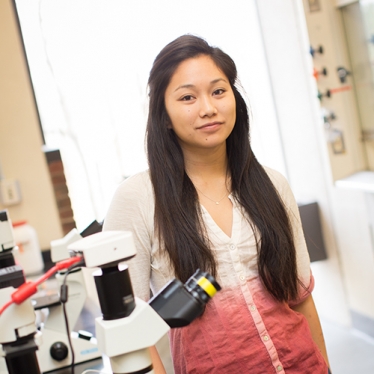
275	176
280	183
139	183
132	201
283	188
135	191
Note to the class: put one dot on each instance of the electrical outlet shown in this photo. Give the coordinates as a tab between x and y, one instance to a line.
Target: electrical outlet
10	192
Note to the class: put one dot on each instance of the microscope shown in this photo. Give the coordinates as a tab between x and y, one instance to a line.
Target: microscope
128	325
54	352
18	333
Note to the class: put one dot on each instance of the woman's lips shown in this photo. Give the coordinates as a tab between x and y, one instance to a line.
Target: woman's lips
210	126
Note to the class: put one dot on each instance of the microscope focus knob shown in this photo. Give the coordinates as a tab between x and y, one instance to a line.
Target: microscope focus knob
59	351
85	335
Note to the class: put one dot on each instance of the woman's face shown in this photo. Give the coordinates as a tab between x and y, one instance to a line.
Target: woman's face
200	104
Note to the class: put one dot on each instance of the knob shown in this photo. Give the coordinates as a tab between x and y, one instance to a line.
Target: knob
342	74
59	351
332	117
85	335
317	73
327	118
313	51
320	95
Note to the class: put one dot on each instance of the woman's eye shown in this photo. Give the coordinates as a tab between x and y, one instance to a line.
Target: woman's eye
220	91
187	98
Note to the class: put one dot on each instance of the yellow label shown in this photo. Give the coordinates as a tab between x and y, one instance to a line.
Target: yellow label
207	286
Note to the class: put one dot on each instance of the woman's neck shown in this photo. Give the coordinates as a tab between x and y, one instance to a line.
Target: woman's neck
206	165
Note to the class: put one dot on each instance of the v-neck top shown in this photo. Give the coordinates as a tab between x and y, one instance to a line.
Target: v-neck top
243	329
209	220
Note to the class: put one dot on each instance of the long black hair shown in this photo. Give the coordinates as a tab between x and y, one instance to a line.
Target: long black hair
178	221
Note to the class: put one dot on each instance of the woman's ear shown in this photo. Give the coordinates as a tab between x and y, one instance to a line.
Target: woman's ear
169	126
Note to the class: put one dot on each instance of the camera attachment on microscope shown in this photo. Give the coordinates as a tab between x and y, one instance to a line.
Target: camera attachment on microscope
179	304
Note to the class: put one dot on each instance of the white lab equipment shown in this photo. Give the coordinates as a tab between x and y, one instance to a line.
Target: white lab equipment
29	254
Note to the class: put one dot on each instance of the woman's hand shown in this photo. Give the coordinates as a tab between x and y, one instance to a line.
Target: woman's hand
158	366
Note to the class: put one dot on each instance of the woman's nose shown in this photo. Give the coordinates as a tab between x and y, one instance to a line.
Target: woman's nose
207	107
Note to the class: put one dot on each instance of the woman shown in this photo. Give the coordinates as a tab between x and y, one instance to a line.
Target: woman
207	203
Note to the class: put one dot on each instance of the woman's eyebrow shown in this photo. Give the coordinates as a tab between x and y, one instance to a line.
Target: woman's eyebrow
189	85
218	80
184	86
